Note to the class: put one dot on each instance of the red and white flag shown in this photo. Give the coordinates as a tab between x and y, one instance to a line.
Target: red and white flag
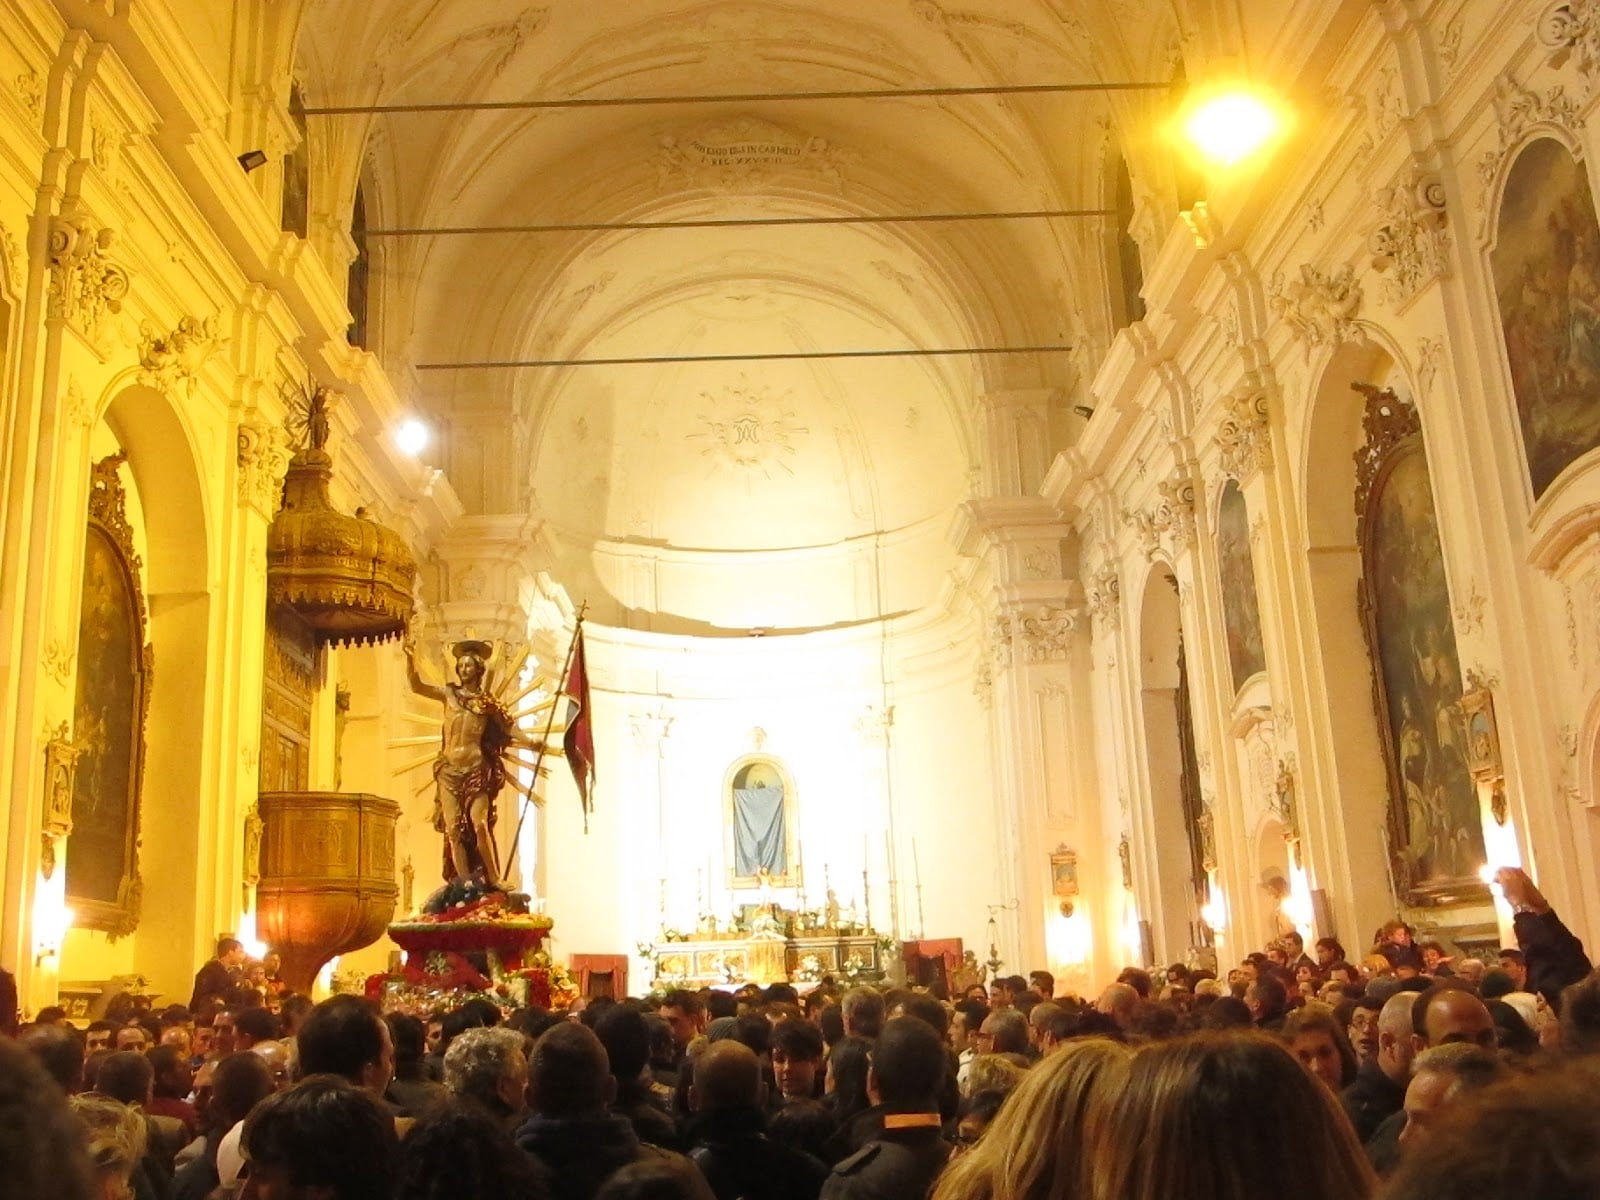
578	741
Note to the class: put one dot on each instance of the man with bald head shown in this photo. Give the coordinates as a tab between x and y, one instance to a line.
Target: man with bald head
1446	1014
572	1131
727	1132
1118	1002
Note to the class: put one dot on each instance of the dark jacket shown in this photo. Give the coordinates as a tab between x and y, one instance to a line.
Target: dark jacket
213	979
901	1163
740	1162
637	1102
198	1178
1555	957
1371	1098
580	1153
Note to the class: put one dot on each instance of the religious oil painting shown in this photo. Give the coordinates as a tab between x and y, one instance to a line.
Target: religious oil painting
1436	836
1241	611
760	805
1547	279
113	665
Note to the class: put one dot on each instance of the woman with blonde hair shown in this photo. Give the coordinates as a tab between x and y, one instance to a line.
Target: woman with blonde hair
1036	1148
1225	1116
116	1137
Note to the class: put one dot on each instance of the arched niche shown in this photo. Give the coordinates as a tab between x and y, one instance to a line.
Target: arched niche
1271	863
1353	781
761	817
178	834
1171	782
1546	266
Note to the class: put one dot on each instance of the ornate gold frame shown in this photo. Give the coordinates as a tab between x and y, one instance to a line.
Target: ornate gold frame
108	520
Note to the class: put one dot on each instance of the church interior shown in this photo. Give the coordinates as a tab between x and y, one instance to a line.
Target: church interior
1104	481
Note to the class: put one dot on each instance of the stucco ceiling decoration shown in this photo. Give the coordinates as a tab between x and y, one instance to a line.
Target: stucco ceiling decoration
688	466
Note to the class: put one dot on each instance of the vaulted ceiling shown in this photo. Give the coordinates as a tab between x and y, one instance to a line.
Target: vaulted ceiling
803	455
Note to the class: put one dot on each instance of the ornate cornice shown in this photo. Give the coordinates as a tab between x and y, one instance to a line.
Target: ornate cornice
263	453
1104	595
1171	517
1518	110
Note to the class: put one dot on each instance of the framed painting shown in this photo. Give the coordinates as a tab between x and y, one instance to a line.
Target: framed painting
1241	610
1064	873
1435	832
759	819
1546	264
1483	735
113	695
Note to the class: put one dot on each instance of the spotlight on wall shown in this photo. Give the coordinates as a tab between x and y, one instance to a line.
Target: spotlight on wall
251	159
412	436
1225	126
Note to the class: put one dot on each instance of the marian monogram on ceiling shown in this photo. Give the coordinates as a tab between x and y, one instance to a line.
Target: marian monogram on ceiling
748	429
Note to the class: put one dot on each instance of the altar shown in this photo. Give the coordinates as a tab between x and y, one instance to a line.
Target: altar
702	961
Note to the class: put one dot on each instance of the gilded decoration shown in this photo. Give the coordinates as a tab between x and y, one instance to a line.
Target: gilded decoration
1434	830
113	696
349	578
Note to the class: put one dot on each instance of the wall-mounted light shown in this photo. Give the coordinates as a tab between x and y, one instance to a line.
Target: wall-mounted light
251	159
1224	126
412	436
50	924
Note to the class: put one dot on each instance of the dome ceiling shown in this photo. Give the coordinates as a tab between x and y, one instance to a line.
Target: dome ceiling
796	454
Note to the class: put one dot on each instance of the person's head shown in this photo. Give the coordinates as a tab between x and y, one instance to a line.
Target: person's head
924	1007
461	1151
1266	998
1226	1012
292	1013
1543	1140
1362	1029
1039	1018
570	1075
1580	1017
974	1115
1293	944
1042	982
796	1055
345	1036
659	1178
1118	1001
908	1066
1000	994
862	1008
59	1051
1004	1031
1036	1145
100	1035
1397	1045
1514	964
1446	1013
1139	980
1192	1120
1329	951
230	952
41	1145
1438	1077
727	1076
126	1076
322	1138
132	1037
846	1075
965	1023
685	1013
625	1034
116	1142
238	1083
489	1067
1320	1045
224	1038
252	1026
1512	1034
1470	970
995	1073
407	1036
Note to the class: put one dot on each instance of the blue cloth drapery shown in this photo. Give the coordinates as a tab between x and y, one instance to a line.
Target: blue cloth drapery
758	832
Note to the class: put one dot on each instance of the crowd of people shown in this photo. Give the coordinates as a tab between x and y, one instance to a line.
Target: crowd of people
1410	1074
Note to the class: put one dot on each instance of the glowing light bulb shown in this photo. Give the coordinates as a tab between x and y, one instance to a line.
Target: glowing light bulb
1230	126
412	436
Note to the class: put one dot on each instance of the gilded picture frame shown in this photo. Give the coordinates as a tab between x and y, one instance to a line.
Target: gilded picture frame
103	884
1483	735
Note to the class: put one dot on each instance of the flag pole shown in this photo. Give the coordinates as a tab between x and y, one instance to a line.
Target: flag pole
544	741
